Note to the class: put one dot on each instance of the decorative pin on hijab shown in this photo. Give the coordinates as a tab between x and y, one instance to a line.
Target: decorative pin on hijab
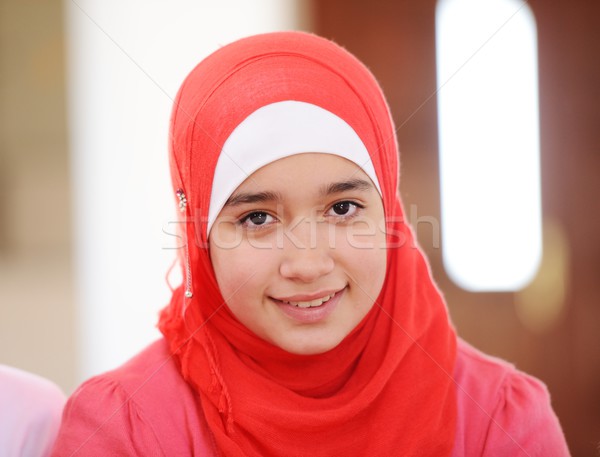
182	200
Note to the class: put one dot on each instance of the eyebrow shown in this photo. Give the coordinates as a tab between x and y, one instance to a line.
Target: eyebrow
333	188
345	186
248	197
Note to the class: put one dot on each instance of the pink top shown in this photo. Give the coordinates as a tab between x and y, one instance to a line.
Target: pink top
145	408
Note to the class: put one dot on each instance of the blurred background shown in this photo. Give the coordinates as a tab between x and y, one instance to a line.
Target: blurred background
86	207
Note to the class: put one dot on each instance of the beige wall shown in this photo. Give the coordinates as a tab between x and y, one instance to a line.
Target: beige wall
36	306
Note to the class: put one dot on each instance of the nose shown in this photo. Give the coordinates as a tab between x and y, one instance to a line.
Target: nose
306	262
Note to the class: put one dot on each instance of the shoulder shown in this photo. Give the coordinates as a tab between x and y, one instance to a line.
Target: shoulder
31	407
143	407
501	410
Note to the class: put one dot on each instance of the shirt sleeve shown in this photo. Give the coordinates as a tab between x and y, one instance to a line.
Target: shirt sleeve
523	423
101	419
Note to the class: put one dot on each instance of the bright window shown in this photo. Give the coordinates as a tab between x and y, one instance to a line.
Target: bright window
489	143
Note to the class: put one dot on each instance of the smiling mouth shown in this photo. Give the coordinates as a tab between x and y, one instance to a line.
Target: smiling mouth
311	303
310	308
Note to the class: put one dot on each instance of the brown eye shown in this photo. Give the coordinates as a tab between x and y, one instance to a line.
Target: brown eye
257	219
344	209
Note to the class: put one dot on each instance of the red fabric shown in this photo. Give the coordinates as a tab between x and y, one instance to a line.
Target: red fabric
387	388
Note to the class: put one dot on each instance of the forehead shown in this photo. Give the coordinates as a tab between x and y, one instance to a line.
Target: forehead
301	173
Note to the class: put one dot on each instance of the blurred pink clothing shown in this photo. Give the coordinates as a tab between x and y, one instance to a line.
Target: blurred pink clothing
145	408
30	412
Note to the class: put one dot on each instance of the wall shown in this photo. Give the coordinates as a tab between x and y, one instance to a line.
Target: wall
36	299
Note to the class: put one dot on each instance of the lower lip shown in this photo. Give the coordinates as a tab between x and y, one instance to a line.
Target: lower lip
311	315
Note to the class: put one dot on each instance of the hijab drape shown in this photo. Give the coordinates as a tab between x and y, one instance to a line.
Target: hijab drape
386	389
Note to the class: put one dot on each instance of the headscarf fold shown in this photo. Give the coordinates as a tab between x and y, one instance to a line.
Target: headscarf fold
386	389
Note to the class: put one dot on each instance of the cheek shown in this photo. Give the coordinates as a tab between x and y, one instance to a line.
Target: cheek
225	235
371	271
379	270
365	256
379	264
242	271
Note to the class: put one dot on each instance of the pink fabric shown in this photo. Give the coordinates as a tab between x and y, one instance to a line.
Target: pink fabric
502	411
30	409
145	408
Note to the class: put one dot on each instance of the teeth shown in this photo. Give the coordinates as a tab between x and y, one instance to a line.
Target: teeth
309	304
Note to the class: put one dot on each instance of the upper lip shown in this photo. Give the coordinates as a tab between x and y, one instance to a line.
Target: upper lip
308	297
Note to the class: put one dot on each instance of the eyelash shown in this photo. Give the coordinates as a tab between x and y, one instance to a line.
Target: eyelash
245	220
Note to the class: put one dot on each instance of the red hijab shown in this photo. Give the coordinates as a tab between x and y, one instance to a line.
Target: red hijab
386	389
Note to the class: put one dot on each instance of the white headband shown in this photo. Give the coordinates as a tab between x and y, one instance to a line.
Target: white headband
280	130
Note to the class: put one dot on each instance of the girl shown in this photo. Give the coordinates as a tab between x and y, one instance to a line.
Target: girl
308	323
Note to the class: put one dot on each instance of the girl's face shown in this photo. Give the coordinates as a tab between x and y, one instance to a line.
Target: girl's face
299	251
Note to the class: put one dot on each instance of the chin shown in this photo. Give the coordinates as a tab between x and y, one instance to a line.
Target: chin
310	346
